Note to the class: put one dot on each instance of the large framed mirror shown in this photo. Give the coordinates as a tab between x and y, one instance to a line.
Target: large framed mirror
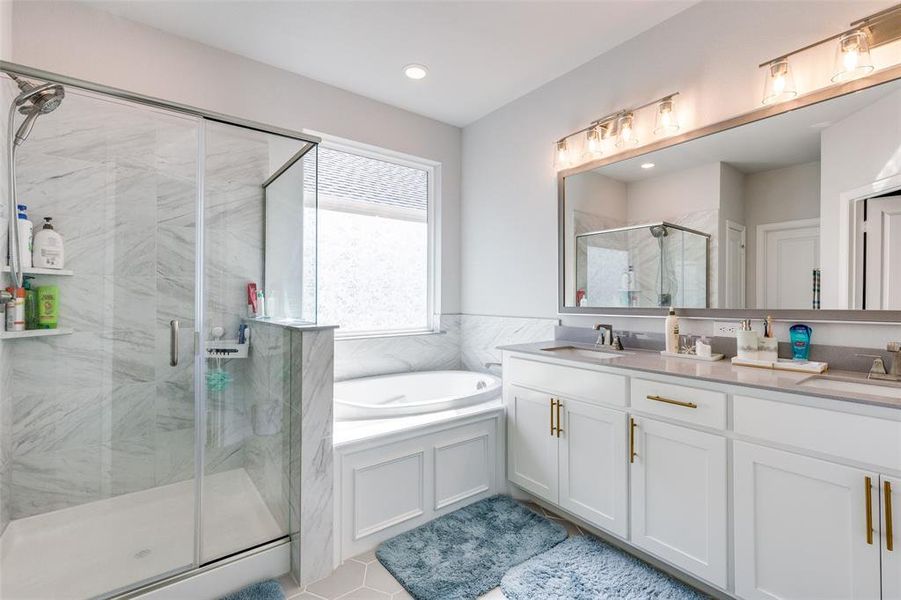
779	211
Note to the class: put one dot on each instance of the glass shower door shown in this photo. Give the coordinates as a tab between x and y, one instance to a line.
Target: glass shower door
99	490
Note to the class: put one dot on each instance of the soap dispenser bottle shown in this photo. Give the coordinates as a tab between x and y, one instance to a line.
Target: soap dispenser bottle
48	247
671	332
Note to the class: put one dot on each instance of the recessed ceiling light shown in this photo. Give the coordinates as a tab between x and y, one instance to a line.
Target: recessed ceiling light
415	71
647	165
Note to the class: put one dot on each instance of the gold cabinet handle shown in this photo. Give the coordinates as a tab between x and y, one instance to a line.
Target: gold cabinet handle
632	426
553	404
559	429
889	534
868	493
656	398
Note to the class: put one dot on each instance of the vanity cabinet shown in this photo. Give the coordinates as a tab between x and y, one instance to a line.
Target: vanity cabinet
532	453
571	453
804	527
679	496
760	493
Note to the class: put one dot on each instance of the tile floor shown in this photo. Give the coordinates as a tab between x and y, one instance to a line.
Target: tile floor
364	578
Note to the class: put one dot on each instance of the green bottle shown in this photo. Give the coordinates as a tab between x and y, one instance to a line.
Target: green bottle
31	305
48	306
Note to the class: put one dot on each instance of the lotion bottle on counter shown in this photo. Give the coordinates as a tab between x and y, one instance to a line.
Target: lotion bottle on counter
671	332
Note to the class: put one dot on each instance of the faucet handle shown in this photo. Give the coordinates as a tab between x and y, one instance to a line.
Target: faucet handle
893	346
878	367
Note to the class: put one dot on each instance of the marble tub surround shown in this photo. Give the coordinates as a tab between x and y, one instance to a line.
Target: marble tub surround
723	371
465	342
841	358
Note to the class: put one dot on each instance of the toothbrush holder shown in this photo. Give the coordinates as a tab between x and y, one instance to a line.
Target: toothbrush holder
768	349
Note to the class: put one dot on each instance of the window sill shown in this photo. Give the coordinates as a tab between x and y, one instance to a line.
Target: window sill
388	334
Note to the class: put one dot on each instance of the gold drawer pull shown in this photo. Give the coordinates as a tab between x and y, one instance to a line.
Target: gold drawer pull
559	429
889	534
632	426
868	494
553	404
671	401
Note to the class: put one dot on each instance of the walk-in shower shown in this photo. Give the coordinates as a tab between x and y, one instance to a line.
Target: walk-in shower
648	265
128	454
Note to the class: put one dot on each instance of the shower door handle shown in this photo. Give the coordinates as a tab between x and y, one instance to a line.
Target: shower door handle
173	343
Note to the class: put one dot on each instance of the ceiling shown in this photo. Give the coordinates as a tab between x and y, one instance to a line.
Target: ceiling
480	55
787	139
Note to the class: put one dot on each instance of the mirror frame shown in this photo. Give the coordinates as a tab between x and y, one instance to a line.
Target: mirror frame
879	77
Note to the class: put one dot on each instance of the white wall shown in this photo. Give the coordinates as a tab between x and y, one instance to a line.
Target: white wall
78	41
709	53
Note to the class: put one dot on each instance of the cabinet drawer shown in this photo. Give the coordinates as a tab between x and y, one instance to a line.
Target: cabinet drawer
855	437
701	407
566	381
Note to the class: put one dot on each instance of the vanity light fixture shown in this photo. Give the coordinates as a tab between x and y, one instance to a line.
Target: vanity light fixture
852	56
615	129
561	154
416	71
594	141
780	84
626	130
667	121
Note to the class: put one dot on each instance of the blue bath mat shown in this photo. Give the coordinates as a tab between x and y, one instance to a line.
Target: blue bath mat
261	590
465	553
585	568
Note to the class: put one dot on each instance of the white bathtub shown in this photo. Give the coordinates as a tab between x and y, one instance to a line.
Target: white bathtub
405	394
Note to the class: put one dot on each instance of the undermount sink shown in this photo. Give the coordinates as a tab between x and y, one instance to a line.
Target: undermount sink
885	389
580	352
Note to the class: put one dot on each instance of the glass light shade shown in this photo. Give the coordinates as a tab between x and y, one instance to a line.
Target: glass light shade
780	84
593	142
852	56
562	159
626	131
667	121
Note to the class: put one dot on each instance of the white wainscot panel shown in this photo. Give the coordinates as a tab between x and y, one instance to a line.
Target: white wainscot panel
387	493
463	469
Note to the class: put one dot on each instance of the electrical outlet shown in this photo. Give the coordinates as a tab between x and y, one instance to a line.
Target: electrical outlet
725	328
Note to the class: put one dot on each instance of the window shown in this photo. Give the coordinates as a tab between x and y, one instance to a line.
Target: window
375	243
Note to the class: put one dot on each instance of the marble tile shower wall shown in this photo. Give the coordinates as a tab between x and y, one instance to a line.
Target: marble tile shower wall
466	342
100	412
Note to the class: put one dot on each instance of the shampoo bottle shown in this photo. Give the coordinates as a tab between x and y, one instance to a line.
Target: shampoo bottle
671	332
48	247
48	306
26	231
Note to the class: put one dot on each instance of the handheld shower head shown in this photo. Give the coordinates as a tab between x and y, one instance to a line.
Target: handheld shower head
34	101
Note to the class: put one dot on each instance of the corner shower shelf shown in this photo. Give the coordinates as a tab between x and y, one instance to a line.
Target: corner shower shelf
37	271
33	333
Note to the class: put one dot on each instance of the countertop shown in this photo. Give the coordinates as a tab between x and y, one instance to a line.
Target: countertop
717	372
291	324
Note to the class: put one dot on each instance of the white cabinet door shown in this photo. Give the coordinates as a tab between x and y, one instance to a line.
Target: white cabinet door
593	477
679	497
532	452
801	527
891	537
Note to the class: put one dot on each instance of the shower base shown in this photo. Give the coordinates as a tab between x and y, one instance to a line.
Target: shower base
100	547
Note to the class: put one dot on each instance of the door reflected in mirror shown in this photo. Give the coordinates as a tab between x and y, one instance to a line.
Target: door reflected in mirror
797	211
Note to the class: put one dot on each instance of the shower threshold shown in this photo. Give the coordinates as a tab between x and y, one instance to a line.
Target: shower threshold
110	545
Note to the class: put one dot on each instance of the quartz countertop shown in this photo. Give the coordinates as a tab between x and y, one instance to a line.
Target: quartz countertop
291	324
722	371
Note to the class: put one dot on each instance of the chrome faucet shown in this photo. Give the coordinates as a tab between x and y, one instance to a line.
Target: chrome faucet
606	336
878	371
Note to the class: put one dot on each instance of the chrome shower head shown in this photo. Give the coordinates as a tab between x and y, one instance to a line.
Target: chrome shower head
34	101
659	231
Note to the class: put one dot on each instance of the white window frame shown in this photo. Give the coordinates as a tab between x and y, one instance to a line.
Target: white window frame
433	217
